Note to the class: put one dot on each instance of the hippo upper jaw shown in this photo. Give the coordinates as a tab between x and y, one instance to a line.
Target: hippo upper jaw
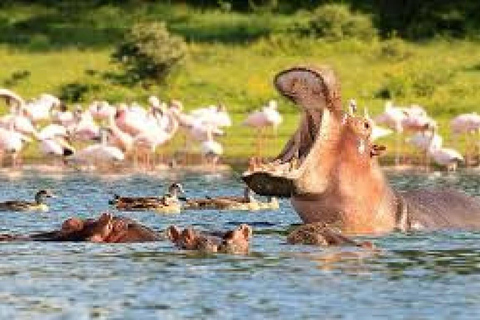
315	91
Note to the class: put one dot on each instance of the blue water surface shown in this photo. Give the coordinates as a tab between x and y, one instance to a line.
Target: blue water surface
415	276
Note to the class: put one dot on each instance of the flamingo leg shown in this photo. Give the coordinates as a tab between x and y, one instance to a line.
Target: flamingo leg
397	148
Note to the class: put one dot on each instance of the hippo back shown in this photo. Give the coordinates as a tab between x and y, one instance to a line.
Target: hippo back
135	232
433	209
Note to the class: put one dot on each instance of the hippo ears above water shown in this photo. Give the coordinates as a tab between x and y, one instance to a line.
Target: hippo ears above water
312	88
173	233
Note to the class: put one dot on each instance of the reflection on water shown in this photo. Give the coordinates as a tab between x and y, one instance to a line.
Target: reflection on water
414	276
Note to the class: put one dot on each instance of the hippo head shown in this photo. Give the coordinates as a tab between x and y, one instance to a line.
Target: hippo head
233	242
72	225
100	229
188	239
236	241
326	139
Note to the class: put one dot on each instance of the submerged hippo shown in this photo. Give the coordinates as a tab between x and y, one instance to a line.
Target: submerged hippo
107	228
320	234
329	169
235	241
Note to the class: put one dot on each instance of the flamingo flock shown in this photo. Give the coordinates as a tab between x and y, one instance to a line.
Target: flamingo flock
415	120
103	134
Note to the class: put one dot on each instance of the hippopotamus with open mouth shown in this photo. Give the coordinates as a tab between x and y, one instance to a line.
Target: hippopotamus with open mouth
329	169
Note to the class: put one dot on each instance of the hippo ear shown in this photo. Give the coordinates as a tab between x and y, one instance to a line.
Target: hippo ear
246	230
173	233
105	217
188	234
73	224
311	88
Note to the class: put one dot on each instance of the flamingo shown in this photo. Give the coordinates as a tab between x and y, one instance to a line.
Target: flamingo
426	141
39	109
20	123
54	141
63	116
446	157
215	115
466	124
211	149
157	131
99	154
130	120
101	110
393	118
120	139
11	142
15	119
12	98
268	116
85	129
401	119
56	146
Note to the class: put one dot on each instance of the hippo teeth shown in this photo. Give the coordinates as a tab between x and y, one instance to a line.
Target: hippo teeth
276	168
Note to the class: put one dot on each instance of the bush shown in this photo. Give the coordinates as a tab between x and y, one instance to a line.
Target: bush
76	92
337	22
415	82
395	49
16	77
149	52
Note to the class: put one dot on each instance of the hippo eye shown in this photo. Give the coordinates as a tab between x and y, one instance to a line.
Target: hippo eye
366	125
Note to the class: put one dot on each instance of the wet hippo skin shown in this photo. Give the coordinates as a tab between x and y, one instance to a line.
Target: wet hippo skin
235	241
329	169
107	228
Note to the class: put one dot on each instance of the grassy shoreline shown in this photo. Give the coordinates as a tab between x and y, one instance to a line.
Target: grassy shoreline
441	75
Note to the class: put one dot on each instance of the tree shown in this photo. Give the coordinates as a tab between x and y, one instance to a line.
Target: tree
150	53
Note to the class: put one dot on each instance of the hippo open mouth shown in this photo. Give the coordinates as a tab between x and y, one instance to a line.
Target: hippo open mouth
315	91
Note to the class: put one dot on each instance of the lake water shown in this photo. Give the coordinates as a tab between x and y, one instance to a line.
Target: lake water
416	276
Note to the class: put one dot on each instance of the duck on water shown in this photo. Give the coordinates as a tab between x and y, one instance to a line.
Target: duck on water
167	203
38	204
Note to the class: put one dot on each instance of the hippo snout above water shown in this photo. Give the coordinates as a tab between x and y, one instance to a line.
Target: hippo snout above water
236	241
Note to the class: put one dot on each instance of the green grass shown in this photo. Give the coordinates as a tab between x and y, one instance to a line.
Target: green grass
233	58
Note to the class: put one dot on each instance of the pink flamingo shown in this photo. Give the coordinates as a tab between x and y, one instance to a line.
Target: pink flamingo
63	116
130	120
85	129
393	118
402	119
11	142
39	109
101	110
444	156
120	139
211	149
157	131
99	154
261	119
466	124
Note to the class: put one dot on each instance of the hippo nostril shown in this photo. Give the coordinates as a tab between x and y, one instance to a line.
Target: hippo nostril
366	125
